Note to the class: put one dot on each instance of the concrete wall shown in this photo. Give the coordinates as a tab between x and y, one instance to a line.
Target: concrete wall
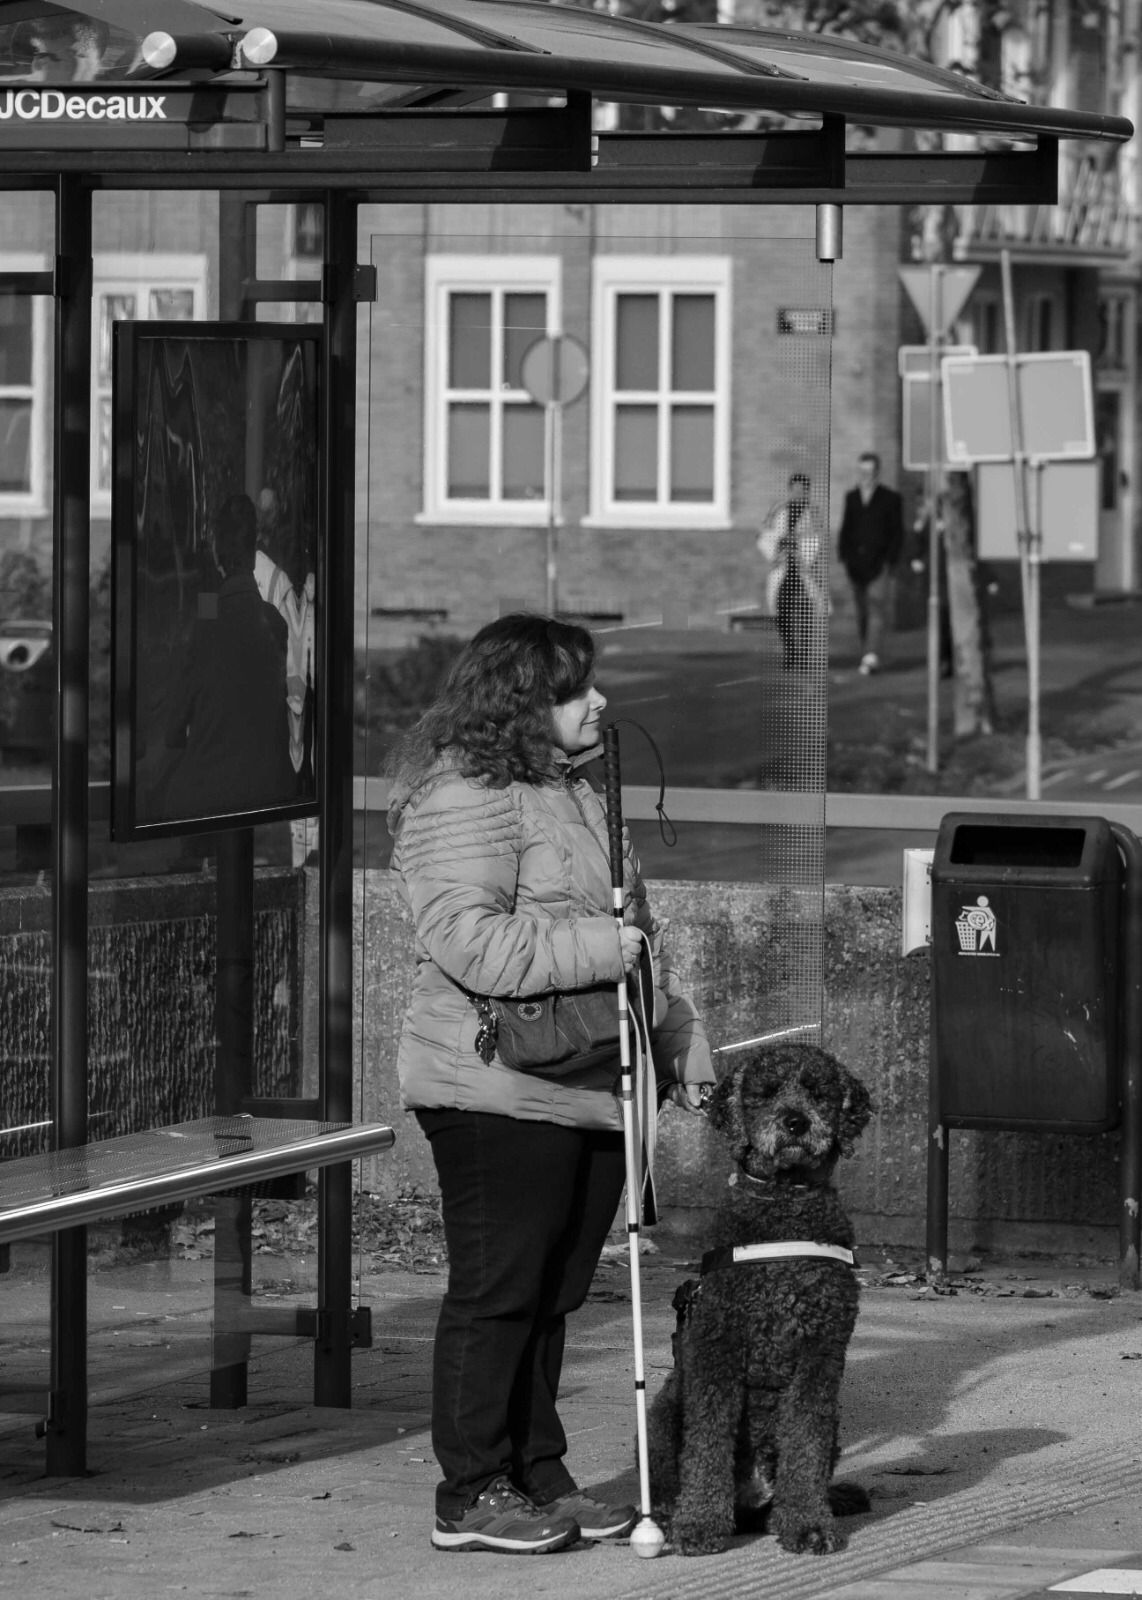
151	980
151	1035
1007	1192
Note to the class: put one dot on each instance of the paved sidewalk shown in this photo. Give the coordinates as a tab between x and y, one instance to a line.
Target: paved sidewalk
996	1429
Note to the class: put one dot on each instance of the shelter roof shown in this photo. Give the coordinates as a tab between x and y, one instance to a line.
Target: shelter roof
369	55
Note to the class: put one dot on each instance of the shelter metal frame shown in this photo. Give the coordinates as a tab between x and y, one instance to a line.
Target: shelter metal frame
255	136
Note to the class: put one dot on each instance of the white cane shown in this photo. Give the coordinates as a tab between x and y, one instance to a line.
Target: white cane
647	1538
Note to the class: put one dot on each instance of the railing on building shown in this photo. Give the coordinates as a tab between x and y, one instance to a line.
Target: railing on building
1092	217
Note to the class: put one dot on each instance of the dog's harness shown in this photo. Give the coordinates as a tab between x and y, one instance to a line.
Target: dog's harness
743	1254
779	1250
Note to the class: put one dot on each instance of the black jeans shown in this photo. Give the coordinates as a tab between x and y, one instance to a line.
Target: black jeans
527	1208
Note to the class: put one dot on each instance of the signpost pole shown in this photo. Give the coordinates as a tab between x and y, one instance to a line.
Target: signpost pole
553	409
1030	552
554	373
935	329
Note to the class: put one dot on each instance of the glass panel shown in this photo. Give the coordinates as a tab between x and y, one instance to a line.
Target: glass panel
636	453
636	341
15	339
470	342
59	46
15	440
665	467
290	240
113	308
691	453
523	438
693	346
103	443
172	305
469	445
525	320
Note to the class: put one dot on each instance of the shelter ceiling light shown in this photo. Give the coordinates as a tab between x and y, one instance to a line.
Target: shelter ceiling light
159	51
260	47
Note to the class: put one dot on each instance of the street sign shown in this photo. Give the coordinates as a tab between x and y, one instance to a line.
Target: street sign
554	370
916	420
953	286
918	357
1066	519
1055	407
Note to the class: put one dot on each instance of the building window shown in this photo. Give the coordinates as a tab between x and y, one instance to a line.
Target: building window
660	391
1041	322
308	230
132	289
23	395
987	324
1114	334
485	436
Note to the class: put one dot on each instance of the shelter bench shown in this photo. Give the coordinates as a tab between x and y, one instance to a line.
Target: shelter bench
221	1156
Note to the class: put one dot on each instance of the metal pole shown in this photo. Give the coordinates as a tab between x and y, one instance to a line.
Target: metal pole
552	454
554	474
647	1537
1130	1057
71	533
935	332
1029	551
332	1350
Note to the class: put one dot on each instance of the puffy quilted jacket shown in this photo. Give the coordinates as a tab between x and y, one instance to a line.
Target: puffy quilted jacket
510	893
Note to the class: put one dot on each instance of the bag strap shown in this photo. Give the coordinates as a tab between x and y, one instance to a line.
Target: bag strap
644	1078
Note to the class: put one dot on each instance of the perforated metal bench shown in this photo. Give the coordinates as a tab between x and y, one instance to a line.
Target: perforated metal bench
222	1157
138	1171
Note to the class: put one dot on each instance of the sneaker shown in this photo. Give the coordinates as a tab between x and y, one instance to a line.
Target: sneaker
596	1520
501	1518
868	663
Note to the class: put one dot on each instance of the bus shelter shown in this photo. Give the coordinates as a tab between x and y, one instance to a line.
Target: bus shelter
334	108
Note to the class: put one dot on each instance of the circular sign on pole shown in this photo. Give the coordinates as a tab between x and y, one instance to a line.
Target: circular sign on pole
554	370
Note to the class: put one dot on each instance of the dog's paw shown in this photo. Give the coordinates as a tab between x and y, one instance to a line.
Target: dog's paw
820	1538
698	1537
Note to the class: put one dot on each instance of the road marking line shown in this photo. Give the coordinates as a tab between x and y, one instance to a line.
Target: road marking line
1055	777
734	683
1097	775
1122	779
1106	1580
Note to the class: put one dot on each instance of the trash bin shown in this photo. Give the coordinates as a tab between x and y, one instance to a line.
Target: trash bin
1025	922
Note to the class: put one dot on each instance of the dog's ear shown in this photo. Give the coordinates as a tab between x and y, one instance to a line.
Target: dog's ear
856	1109
724	1112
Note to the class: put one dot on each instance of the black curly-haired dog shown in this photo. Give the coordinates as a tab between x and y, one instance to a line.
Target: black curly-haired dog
743	1435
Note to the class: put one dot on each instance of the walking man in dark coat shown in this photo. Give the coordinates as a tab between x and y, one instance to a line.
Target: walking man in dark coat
870	545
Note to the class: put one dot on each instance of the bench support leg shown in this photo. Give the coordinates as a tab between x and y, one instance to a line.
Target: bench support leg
232	1287
66	1441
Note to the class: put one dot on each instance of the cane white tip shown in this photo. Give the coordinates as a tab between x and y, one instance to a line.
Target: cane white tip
647	1539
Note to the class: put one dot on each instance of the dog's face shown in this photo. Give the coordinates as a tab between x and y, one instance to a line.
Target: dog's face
787	1108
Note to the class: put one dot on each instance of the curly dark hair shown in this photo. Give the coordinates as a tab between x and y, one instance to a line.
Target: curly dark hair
495	707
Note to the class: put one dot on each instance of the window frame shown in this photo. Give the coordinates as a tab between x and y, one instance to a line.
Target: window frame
33	501
446	275
665	277
134	273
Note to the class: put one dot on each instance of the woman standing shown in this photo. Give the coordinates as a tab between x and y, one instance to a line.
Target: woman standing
793	543
501	847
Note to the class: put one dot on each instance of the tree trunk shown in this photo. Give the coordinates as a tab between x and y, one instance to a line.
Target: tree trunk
974	699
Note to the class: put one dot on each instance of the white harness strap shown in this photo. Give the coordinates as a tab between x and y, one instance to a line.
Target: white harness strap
782	1250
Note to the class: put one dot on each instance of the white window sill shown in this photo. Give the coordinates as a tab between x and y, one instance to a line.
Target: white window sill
661	521
532	515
